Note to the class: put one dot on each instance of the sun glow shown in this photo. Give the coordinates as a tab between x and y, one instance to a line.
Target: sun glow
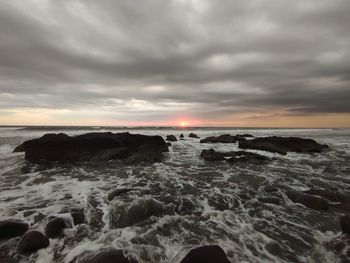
183	123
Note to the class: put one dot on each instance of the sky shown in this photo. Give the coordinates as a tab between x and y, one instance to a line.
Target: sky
251	63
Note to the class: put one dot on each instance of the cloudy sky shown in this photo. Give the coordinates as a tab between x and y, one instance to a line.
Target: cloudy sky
163	62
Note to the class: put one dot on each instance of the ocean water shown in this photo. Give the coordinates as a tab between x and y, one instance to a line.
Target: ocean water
192	202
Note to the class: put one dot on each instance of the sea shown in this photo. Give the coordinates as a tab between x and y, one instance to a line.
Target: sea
188	202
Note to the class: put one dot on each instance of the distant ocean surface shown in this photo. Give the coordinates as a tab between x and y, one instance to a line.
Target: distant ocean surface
204	203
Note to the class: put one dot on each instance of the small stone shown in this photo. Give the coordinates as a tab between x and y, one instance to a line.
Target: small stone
32	241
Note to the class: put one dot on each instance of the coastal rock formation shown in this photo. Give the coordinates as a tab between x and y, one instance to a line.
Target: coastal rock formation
107	255
233	157
225	138
282	145
12	228
181	136
171	138
206	254
54	228
31	242
345	224
193	135
106	146
310	201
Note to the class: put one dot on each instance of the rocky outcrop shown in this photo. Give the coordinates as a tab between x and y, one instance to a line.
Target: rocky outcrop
54	228
124	214
12	228
330	195
206	254
345	224
193	135
32	241
94	147
282	145
233	157
171	138
117	192
107	255
310	201
181	136
225	138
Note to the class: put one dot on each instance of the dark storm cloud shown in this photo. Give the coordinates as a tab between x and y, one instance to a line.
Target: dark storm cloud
162	57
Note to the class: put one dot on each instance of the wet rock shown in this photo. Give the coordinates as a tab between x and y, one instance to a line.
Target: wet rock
94	147
310	201
32	241
282	145
245	135
345	224
193	135
270	189
225	138
233	157
12	228
54	228
206	254
181	136
270	200
212	155
117	192
123	214
243	156
78	217
94	212
330	195
171	138
108	255
168	143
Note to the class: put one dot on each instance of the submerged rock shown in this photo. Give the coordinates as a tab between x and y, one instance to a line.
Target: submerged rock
171	138
225	138
310	201
330	195
123	214
233	157
107	255
117	192
282	145
54	228
206	254
345	224
94	147
32	241
12	228
193	135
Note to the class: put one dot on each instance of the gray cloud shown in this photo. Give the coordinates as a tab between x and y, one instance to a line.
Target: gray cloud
159	59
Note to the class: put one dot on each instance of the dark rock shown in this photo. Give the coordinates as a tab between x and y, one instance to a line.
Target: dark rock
168	143
243	156
107	255
282	145
212	155
206	254
233	157
181	136
171	138
310	201
125	214
54	228
345	224
11	228
78	217
32	241
270	200
117	192
246	135
193	135
225	138
94	147
330	195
